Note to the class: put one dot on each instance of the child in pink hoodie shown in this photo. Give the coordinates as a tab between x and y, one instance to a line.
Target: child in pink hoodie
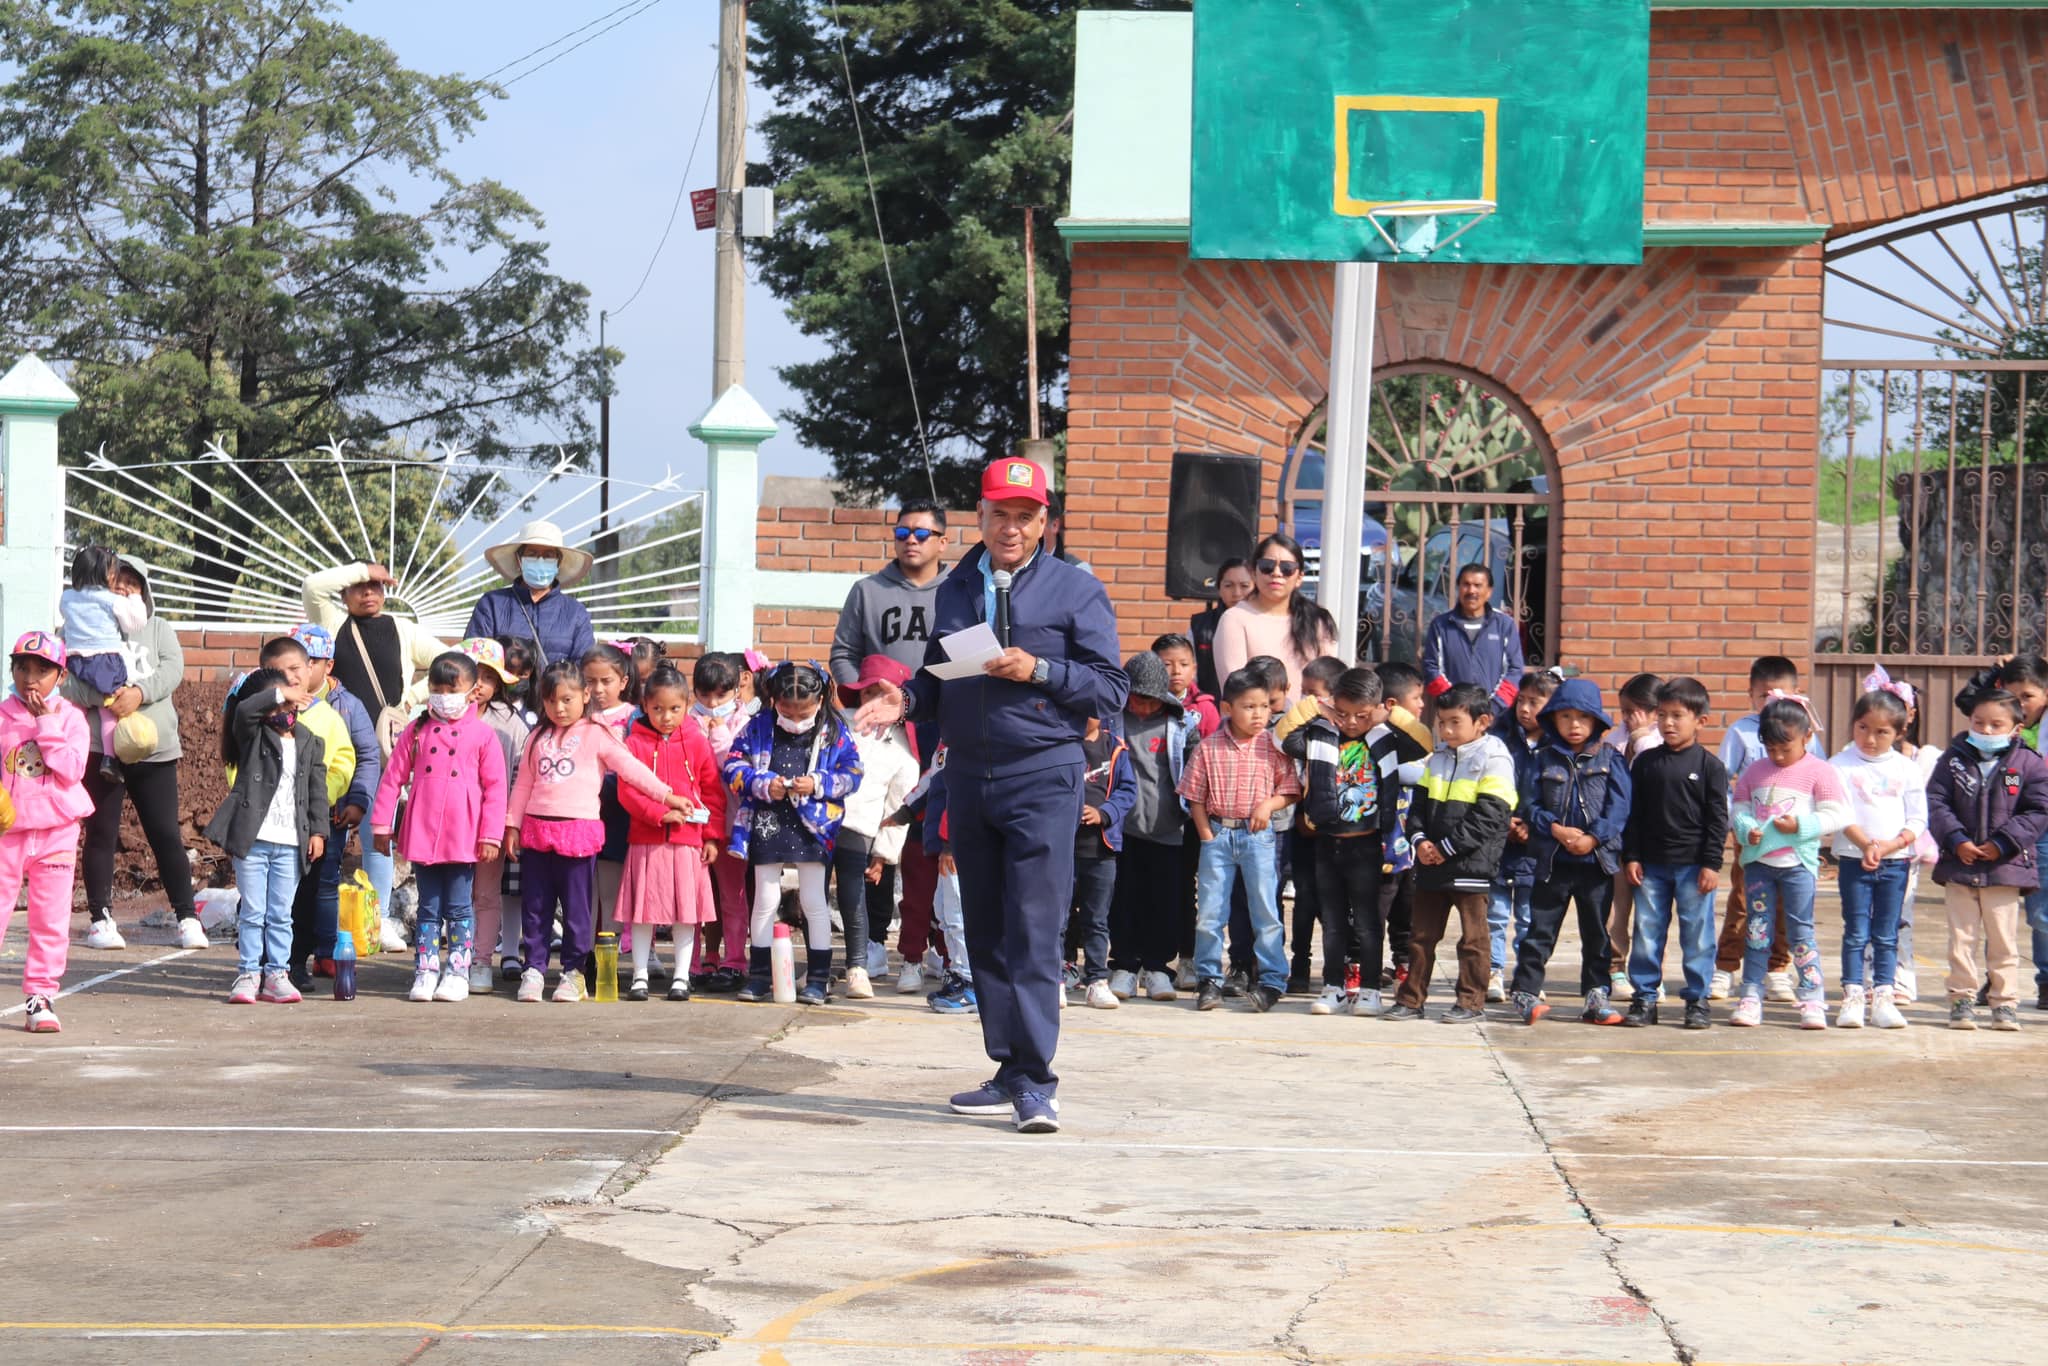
455	818
44	748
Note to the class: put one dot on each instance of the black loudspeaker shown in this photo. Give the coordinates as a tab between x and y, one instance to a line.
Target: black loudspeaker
1212	515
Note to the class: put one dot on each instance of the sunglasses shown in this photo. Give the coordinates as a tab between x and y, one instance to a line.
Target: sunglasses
1286	569
920	534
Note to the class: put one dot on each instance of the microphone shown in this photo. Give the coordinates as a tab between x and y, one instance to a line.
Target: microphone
1001	579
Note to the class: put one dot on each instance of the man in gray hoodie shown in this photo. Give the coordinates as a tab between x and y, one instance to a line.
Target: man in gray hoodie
890	612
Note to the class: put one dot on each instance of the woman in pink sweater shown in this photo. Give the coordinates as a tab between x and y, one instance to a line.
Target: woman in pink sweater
554	828
44	747
453	762
1278	619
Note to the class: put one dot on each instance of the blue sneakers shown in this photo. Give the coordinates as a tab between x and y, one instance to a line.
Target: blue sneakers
1037	1113
989	1098
956	997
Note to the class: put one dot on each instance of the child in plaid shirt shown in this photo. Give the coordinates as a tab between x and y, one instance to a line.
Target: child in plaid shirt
1238	782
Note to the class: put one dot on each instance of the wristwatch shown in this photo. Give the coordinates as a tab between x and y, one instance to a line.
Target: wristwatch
1041	673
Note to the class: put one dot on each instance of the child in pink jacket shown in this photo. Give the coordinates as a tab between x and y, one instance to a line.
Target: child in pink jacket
454	819
44	748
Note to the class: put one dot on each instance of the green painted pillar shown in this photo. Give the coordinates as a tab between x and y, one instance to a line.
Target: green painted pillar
732	433
32	400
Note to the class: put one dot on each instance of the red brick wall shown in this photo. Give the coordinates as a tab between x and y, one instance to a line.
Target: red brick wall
1681	395
823	541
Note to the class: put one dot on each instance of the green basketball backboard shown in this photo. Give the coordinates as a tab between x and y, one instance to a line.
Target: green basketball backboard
1449	130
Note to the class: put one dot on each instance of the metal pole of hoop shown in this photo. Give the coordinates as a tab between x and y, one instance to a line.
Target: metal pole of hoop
1352	322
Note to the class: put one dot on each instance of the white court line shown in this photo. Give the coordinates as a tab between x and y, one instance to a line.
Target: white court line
89	983
1469	1154
311	1129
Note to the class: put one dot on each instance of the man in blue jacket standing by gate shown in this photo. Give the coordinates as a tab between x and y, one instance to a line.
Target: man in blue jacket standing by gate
1473	643
1014	775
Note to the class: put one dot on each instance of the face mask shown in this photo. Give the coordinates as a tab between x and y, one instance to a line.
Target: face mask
449	706
1990	745
720	712
538	573
793	727
752	709
281	720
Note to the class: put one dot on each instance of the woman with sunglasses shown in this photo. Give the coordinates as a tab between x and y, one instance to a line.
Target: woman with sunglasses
1278	619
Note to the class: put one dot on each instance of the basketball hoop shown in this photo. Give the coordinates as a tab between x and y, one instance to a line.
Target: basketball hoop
1415	230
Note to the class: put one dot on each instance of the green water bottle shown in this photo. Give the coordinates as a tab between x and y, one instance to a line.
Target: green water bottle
607	966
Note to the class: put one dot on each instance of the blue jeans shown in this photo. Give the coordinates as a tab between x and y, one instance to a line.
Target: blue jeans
379	867
1666	885
2037	922
1507	920
1256	858
1769	892
445	891
1871	907
268	880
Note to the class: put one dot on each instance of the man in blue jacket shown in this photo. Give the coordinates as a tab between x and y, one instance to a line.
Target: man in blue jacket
1473	643
1014	775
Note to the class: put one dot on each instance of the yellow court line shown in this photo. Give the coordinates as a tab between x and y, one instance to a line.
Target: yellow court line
362	1326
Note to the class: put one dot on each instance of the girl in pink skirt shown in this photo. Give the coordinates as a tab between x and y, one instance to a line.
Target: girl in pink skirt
665	880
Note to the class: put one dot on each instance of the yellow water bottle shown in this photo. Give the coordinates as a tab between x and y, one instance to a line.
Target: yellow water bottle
607	966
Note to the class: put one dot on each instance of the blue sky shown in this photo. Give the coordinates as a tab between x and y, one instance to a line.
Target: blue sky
596	142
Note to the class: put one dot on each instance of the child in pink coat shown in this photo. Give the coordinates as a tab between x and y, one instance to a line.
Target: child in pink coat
454	819
44	748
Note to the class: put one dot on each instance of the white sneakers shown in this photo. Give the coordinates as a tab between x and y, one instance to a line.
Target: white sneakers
1749	1012
42	1017
103	933
910	979
1884	1010
391	933
1905	986
533	985
480	975
1618	988
423	984
1123	985
1778	987
454	987
243	992
1185	979
1367	1002
1100	997
1719	988
191	934
1850	1016
858	987
1496	987
1329	1003
569	990
1159	987
1814	1014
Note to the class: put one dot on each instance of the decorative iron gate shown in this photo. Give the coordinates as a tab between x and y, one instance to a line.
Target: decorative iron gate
227	543
1459	472
1933	482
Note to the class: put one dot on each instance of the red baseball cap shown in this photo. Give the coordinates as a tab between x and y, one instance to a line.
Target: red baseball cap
874	669
1015	478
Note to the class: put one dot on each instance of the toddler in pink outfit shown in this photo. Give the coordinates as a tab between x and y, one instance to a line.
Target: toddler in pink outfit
44	748
454	819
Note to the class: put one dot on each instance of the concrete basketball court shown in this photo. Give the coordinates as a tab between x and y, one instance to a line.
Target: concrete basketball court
384	1182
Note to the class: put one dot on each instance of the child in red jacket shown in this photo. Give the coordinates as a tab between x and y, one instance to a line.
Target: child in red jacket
665	880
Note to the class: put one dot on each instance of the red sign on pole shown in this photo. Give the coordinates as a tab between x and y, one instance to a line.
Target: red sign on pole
704	205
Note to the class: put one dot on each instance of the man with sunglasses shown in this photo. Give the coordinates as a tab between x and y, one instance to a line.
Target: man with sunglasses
1014	776
890	612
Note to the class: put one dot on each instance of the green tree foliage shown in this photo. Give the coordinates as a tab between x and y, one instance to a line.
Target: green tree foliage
233	219
966	105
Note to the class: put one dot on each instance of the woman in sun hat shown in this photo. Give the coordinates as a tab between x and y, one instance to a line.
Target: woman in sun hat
534	604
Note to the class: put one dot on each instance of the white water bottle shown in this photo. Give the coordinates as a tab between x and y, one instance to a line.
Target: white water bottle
782	965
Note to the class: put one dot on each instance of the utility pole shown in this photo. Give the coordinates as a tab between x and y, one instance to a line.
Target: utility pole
604	444
728	347
1031	318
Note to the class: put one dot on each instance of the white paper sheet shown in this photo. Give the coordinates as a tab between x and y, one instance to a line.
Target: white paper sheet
967	652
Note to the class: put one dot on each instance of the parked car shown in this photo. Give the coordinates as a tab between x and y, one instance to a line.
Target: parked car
1305	524
1395	632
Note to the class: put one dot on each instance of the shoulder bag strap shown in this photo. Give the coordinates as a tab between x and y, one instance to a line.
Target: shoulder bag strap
369	665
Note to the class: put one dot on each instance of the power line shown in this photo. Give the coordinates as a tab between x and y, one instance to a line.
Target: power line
643	8
888	274
682	191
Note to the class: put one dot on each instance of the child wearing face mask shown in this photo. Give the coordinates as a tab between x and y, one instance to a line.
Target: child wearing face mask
721	959
791	771
1987	808
666	881
614	689
454	765
494	877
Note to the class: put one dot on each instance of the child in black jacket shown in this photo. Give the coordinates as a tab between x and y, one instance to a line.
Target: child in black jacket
1345	805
